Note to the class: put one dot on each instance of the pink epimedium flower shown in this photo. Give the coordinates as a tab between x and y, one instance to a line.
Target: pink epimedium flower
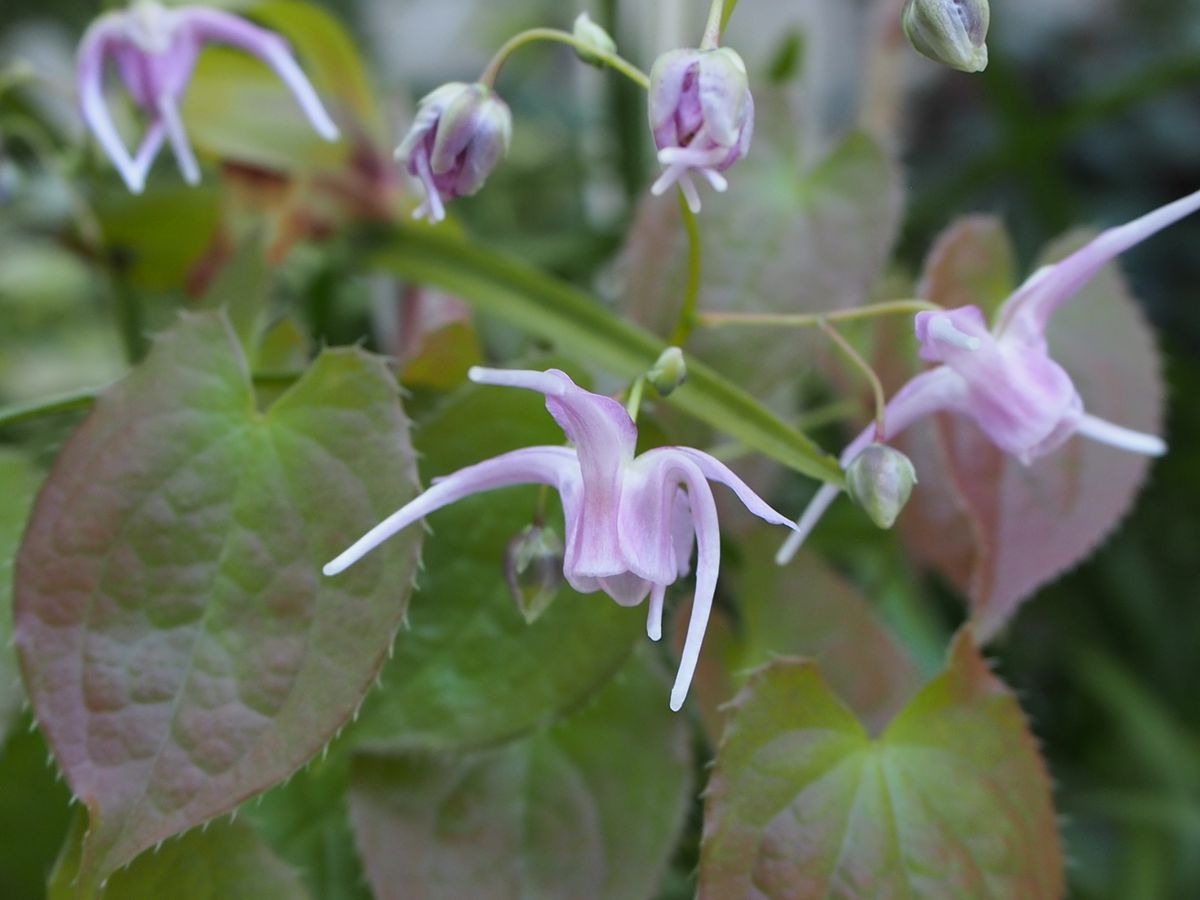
461	131
155	49
702	117
1003	377
630	521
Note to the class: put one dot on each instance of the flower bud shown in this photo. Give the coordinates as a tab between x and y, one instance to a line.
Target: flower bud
880	480
702	117
952	32
669	372
533	568
461	131
599	42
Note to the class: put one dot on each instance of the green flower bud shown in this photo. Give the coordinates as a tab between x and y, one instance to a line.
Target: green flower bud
598	41
533	568
669	372
880	480
952	32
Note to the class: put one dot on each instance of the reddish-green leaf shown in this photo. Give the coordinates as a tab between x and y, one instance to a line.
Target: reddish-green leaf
996	528
951	801
592	807
180	646
226	861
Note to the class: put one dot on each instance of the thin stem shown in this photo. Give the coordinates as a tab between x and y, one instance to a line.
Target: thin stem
130	323
814	320
717	18
612	60
634	403
863	366
691	296
728	13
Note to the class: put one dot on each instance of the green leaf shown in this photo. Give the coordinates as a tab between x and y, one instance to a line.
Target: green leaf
34	813
592	807
952	801
226	861
580	326
306	822
181	648
19	481
242	288
468	670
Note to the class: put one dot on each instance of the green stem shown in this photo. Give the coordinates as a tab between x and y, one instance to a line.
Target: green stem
634	403
626	68
717	17
814	320
728	13
130	324
691	296
863	366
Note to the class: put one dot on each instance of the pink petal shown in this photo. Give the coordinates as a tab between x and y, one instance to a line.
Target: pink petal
98	42
555	466
708	563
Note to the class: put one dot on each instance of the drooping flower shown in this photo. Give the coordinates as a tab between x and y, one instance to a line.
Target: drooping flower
461	131
702	117
155	50
630	521
1003	378
951	32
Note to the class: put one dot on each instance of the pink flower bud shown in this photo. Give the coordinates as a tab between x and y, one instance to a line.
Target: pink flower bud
702	117
460	133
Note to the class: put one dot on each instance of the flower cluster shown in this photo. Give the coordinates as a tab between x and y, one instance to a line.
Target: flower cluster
631	522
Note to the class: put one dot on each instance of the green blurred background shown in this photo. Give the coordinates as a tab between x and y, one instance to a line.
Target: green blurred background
1088	114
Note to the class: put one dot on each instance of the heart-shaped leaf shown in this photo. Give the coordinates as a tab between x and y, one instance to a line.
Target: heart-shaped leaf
469	670
226	861
1028	524
951	801
591	807
181	649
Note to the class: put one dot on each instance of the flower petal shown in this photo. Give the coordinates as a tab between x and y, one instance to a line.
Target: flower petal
217	25
555	466
1121	438
98	42
708	563
715	470
1026	313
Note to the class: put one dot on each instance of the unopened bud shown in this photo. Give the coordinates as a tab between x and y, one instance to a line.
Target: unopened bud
880	480
460	133
669	372
598	42
952	32
533	563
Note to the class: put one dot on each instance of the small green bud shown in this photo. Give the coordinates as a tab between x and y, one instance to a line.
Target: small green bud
669	372
880	480
952	32
597	41
533	564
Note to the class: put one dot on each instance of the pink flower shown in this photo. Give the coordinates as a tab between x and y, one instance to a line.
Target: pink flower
460	133
1003	377
630	521
155	50
702	117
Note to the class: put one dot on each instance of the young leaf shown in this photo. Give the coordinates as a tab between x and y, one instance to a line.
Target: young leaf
18	483
1029	524
181	648
591	807
952	799
226	861
468	670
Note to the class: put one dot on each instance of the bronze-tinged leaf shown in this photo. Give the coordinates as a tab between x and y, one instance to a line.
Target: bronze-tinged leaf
952	800
591	807
181	648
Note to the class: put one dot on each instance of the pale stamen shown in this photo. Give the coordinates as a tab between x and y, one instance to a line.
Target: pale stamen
942	329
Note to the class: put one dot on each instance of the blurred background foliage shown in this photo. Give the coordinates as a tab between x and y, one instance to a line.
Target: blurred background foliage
1088	113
